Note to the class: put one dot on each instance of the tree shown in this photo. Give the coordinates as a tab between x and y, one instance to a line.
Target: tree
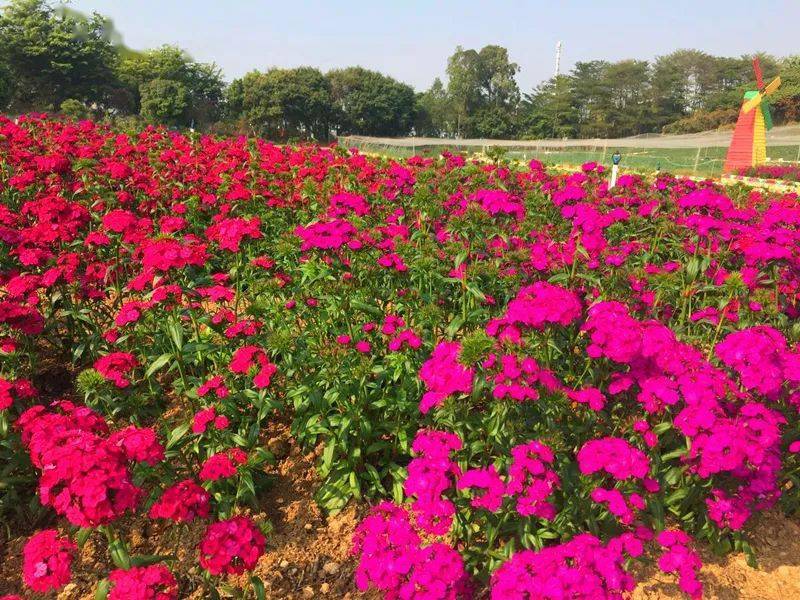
202	82
433	112
480	79
549	111
53	56
283	103
787	99
163	101
6	85
629	111
74	109
370	103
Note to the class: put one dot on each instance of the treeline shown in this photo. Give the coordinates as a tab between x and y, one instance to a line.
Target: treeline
60	60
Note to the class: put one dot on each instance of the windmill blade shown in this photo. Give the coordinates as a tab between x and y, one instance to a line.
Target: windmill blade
773	85
767	115
759	76
752	103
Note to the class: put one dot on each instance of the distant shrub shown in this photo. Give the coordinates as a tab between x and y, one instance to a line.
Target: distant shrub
702	120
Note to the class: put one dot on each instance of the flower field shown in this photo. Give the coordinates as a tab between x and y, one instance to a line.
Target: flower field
790	172
525	383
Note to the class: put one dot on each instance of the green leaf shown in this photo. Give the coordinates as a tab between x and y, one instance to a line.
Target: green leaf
144	560
157	364
103	586
83	535
176	434
258	588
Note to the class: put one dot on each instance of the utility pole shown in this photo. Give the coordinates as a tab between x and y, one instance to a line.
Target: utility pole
556	81
558	58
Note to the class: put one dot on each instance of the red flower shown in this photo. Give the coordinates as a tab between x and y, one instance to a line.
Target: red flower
222	465
182	502
46	561
115	366
231	546
154	582
249	356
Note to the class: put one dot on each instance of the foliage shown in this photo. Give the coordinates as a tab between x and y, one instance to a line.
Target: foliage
53	58
163	101
701	120
283	103
370	103
482	90
201	83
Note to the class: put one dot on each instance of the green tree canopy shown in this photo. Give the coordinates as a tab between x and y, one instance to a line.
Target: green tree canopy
54	56
283	103
369	103
202	82
163	101
478	80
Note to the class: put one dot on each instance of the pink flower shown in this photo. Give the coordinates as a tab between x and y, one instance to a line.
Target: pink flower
615	456
443	375
202	418
232	546
47	559
392	559
580	568
532	480
222	465
485	479
679	557
139	444
154	582
116	366
182	502
252	356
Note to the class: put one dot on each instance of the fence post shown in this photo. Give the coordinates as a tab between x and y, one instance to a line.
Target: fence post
696	161
798	154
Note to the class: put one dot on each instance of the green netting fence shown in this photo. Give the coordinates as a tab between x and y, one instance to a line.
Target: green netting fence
702	161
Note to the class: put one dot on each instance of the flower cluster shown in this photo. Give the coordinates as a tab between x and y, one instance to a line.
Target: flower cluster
581	568
443	375
231	546
430	474
154	582
393	559
85	473
47	560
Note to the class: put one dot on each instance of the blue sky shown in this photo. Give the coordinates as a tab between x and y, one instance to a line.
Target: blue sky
412	39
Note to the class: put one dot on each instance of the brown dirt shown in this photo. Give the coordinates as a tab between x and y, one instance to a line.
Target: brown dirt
308	552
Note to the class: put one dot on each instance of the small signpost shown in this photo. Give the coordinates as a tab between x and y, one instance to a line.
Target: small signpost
615	159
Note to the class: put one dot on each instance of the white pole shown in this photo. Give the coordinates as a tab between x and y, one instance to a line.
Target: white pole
614	173
558	58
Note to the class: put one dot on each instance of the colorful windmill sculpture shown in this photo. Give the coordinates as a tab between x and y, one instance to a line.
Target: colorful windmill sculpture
749	143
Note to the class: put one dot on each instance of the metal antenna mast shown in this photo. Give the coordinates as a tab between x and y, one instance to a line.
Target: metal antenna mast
558	58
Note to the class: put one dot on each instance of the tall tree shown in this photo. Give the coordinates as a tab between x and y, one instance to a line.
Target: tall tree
283	103
478	80
202	81
549	111
163	101
434	111
369	103
53	57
